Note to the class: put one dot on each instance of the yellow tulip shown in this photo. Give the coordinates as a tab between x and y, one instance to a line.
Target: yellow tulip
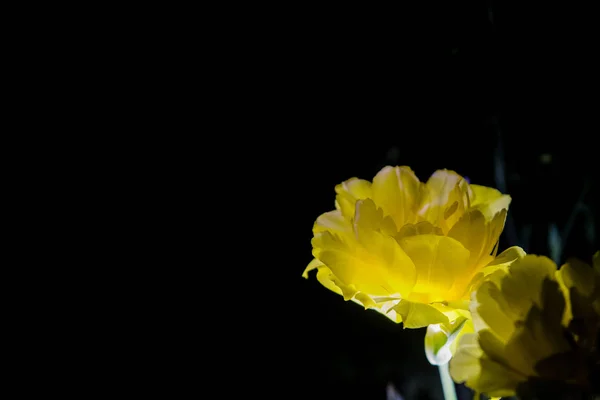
411	250
535	330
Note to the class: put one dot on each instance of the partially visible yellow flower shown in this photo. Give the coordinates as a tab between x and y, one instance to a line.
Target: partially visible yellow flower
408	249
534	325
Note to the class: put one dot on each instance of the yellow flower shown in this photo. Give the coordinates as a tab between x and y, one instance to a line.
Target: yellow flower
536	329
408	249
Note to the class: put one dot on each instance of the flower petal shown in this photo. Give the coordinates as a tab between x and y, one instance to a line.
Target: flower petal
504	260
329	280
314	264
541	335
470	231
349	192
365	300
397	190
373	262
420	228
418	315
438	261
341	256
332	221
446	198
465	366
580	284
382	249
490	311
489	200
575	273
523	284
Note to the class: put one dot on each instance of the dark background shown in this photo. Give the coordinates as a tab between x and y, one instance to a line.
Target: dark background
503	94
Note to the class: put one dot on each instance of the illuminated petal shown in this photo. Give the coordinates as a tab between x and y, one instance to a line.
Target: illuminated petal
418	315
446	198
370	218
347	264
453	309
367	216
420	228
349	192
470	231
312	265
374	263
332	221
490	201
382	250
504	260
365	300
494	230
497	268
396	190
438	260
327	279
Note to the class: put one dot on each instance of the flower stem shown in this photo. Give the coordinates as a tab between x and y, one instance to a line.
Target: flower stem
447	383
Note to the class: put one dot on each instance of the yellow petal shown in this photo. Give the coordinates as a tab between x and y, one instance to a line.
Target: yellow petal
482	374
580	284
420	228
326	278
576	273
383	250
345	262
312	265
465	366
418	315
375	264
384	305
349	192
596	261
438	261
446	197
396	190
365	300
541	335
504	260
369	217
453	309
523	285
332	221
470	231
491	311
490	201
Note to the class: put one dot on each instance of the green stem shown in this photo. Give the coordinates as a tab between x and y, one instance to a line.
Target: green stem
447	383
